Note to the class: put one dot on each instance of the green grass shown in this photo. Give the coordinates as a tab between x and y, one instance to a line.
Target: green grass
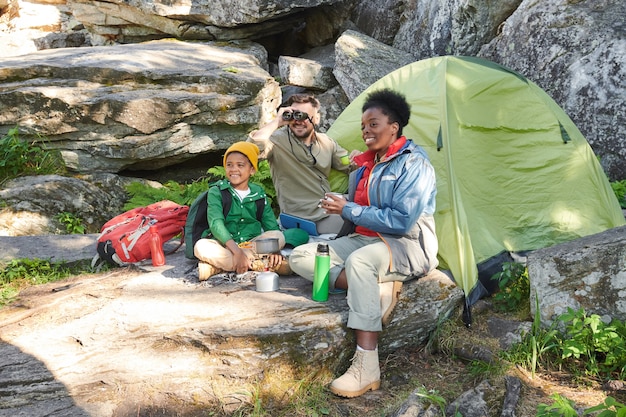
18	274
19	158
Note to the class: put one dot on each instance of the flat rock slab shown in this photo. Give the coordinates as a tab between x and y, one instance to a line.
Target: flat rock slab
128	339
142	335
56	248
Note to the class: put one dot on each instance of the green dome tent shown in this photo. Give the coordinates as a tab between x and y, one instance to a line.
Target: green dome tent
513	171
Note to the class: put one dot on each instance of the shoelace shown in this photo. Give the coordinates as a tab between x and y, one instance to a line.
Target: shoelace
357	365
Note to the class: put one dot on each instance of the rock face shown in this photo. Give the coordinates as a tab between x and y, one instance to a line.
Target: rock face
456	27
135	339
137	21
140	106
576	51
587	273
30	210
355	54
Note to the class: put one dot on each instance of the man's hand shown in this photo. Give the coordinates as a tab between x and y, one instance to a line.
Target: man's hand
353	154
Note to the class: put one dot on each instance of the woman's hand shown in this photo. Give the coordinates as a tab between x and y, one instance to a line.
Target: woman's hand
332	203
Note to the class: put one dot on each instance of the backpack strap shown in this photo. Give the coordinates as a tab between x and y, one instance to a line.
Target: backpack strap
227	202
260	206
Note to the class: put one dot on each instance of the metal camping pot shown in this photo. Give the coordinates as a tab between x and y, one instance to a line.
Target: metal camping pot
267	281
267	245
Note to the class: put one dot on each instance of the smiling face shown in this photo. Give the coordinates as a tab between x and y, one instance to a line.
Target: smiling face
377	132
238	170
303	129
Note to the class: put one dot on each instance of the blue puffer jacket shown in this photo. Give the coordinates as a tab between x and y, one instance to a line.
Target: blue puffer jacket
402	192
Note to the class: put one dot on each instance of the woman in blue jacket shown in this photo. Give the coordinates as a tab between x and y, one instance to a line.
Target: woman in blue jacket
392	238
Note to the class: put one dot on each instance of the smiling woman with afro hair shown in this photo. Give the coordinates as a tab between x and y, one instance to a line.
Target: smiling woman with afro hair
388	236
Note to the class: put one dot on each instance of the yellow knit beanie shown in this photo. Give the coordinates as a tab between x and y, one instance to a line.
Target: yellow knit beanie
249	149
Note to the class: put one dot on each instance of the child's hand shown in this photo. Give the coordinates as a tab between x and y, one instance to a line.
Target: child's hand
241	262
274	260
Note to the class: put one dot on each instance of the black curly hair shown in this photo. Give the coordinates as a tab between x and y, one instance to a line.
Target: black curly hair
392	104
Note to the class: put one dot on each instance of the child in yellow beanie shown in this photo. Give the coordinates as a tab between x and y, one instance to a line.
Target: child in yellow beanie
225	245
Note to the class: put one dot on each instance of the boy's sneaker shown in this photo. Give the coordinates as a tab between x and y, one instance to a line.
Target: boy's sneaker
283	269
258	265
206	270
337	291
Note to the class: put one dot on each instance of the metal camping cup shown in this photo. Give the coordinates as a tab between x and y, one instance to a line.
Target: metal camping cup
266	246
267	281
333	195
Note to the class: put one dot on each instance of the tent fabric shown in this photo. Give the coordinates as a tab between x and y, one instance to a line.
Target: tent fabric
513	171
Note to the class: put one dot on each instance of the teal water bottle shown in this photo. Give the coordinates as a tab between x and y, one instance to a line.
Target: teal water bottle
321	273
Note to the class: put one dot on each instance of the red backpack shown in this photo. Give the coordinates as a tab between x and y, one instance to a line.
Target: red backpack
125	239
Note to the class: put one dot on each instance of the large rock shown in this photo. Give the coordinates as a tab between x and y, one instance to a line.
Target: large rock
313	70
138	20
379	19
26	27
576	51
588	273
361	60
454	27
141	106
134	339
333	102
32	204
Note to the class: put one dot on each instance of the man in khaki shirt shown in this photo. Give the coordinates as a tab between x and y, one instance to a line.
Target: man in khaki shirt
301	160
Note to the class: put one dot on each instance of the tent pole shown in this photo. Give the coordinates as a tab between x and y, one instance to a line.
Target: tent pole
467	313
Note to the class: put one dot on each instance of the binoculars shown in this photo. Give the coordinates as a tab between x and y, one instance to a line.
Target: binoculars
295	115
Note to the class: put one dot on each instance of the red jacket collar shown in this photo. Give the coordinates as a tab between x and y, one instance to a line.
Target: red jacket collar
368	156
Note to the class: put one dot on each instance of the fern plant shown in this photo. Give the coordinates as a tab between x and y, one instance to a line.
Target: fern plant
142	195
514	286
619	188
73	223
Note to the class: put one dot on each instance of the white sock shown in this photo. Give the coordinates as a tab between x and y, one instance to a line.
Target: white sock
365	350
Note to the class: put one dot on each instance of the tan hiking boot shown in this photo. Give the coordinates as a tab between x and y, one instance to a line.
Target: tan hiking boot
389	294
362	376
206	270
258	265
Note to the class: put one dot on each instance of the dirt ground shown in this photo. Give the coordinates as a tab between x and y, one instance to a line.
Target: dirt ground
438	370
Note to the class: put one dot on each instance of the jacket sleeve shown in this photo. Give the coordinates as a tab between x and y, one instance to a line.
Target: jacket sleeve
215	216
397	199
266	143
341	160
